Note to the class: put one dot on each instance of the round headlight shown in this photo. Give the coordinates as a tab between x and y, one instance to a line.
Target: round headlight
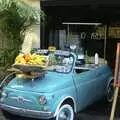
43	100
4	94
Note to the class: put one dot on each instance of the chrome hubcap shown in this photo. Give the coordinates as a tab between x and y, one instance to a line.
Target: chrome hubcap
64	115
66	112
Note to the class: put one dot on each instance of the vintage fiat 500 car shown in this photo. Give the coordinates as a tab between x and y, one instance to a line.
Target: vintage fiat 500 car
61	92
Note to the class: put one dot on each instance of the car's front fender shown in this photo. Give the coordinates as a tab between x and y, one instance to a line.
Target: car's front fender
60	102
60	96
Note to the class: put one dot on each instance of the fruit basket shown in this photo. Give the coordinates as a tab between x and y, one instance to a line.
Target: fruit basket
30	65
30	62
28	71
29	68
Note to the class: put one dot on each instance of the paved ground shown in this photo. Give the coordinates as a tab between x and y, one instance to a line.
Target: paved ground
98	111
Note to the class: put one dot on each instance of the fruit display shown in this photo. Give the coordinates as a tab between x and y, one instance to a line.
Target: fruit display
31	59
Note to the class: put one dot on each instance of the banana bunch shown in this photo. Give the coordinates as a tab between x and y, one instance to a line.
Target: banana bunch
37	60
20	59
31	59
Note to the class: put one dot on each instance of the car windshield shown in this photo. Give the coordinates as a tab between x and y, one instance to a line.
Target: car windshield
60	61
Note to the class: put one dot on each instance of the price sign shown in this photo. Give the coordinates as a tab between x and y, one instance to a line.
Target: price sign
62	53
39	51
44	51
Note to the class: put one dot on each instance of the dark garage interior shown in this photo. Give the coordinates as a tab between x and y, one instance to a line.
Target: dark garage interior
87	11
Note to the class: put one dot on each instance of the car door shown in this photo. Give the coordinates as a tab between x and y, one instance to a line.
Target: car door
103	74
85	82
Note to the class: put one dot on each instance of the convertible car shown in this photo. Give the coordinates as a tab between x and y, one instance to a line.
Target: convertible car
64	89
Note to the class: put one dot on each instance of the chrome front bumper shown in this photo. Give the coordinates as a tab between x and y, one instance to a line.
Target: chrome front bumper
27	112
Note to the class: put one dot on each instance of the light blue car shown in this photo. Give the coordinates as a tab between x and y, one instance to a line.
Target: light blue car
64	89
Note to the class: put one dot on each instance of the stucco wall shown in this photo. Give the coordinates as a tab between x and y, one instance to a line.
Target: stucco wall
36	29
34	3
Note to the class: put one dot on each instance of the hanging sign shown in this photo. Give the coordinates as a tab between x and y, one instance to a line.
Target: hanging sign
91	36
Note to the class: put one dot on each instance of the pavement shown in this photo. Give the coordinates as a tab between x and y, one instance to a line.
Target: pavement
98	111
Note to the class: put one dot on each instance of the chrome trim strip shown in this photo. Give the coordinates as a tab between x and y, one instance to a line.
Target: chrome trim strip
27	112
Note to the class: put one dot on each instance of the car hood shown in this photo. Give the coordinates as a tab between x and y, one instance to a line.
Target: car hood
52	81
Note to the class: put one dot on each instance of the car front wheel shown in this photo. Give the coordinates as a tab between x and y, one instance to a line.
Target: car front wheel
66	112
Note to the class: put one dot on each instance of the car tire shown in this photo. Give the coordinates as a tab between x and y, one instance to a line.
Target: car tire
110	92
66	112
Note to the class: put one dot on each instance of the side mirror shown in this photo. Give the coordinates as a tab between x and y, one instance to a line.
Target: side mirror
79	62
